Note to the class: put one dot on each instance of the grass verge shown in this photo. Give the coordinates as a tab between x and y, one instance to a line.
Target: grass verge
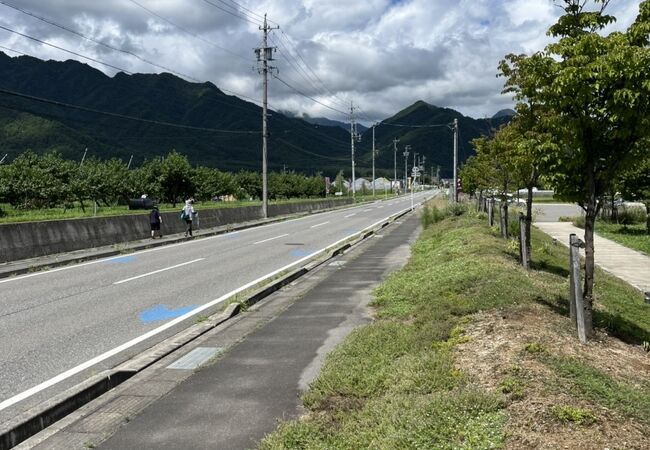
631	236
395	384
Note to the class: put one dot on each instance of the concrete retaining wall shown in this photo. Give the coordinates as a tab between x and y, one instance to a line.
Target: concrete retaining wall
33	239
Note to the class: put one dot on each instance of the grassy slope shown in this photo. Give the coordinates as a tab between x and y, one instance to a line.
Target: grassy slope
632	236
393	383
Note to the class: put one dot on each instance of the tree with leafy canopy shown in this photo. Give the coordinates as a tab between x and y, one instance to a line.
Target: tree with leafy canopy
497	154
476	175
596	90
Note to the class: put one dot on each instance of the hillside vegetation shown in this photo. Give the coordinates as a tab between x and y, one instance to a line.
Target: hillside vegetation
294	143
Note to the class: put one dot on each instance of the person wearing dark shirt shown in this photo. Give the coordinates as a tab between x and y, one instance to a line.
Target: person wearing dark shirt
155	220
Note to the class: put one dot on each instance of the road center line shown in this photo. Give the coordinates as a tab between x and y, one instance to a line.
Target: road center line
319	225
270	239
350	215
158	271
366	210
91	362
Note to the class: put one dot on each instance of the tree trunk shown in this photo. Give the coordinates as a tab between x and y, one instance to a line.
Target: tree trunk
647	217
504	218
591	210
529	221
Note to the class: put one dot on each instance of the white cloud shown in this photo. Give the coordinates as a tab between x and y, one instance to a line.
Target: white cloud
383	54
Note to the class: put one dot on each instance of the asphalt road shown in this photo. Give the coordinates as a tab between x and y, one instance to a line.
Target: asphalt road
551	212
59	326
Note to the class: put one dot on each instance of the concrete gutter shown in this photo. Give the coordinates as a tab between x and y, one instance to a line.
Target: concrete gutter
47	413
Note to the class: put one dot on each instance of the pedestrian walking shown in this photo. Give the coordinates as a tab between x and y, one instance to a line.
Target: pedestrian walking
155	220
187	214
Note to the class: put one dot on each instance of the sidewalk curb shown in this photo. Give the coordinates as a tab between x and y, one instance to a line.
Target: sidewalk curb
47	413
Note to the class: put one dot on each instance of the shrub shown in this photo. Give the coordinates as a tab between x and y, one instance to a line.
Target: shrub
431	215
631	216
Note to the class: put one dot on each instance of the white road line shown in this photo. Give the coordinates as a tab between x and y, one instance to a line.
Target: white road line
319	225
350	215
379	207
270	239
158	271
104	356
366	210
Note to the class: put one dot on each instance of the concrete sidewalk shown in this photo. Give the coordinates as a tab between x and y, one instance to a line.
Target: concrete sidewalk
261	362
623	262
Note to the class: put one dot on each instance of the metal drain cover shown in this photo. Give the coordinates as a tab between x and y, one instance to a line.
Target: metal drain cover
195	358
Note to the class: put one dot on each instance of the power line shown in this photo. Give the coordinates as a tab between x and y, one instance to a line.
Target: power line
120	116
175	25
297	68
98	42
308	96
66	50
331	158
284	36
243	17
414	126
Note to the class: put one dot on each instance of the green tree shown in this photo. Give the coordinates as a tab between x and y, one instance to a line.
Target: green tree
176	178
209	183
596	91
248	185
33	181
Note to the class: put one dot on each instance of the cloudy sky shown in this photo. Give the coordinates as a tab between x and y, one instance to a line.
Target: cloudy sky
381	54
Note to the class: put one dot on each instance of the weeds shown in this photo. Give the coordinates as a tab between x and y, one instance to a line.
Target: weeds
574	415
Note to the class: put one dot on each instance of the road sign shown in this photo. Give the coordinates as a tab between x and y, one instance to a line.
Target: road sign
415	172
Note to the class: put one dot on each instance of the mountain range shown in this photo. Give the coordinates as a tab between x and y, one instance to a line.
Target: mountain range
69	106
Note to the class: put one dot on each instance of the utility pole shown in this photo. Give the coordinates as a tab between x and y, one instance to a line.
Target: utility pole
395	141
373	160
455	197
83	157
3	158
264	55
424	159
406	169
354	136
128	166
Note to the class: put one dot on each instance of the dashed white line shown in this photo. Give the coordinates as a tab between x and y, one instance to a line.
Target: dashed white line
91	362
270	239
350	215
319	225
158	271
366	210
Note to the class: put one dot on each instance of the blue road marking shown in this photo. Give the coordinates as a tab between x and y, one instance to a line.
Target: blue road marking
120	260
300	252
161	312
